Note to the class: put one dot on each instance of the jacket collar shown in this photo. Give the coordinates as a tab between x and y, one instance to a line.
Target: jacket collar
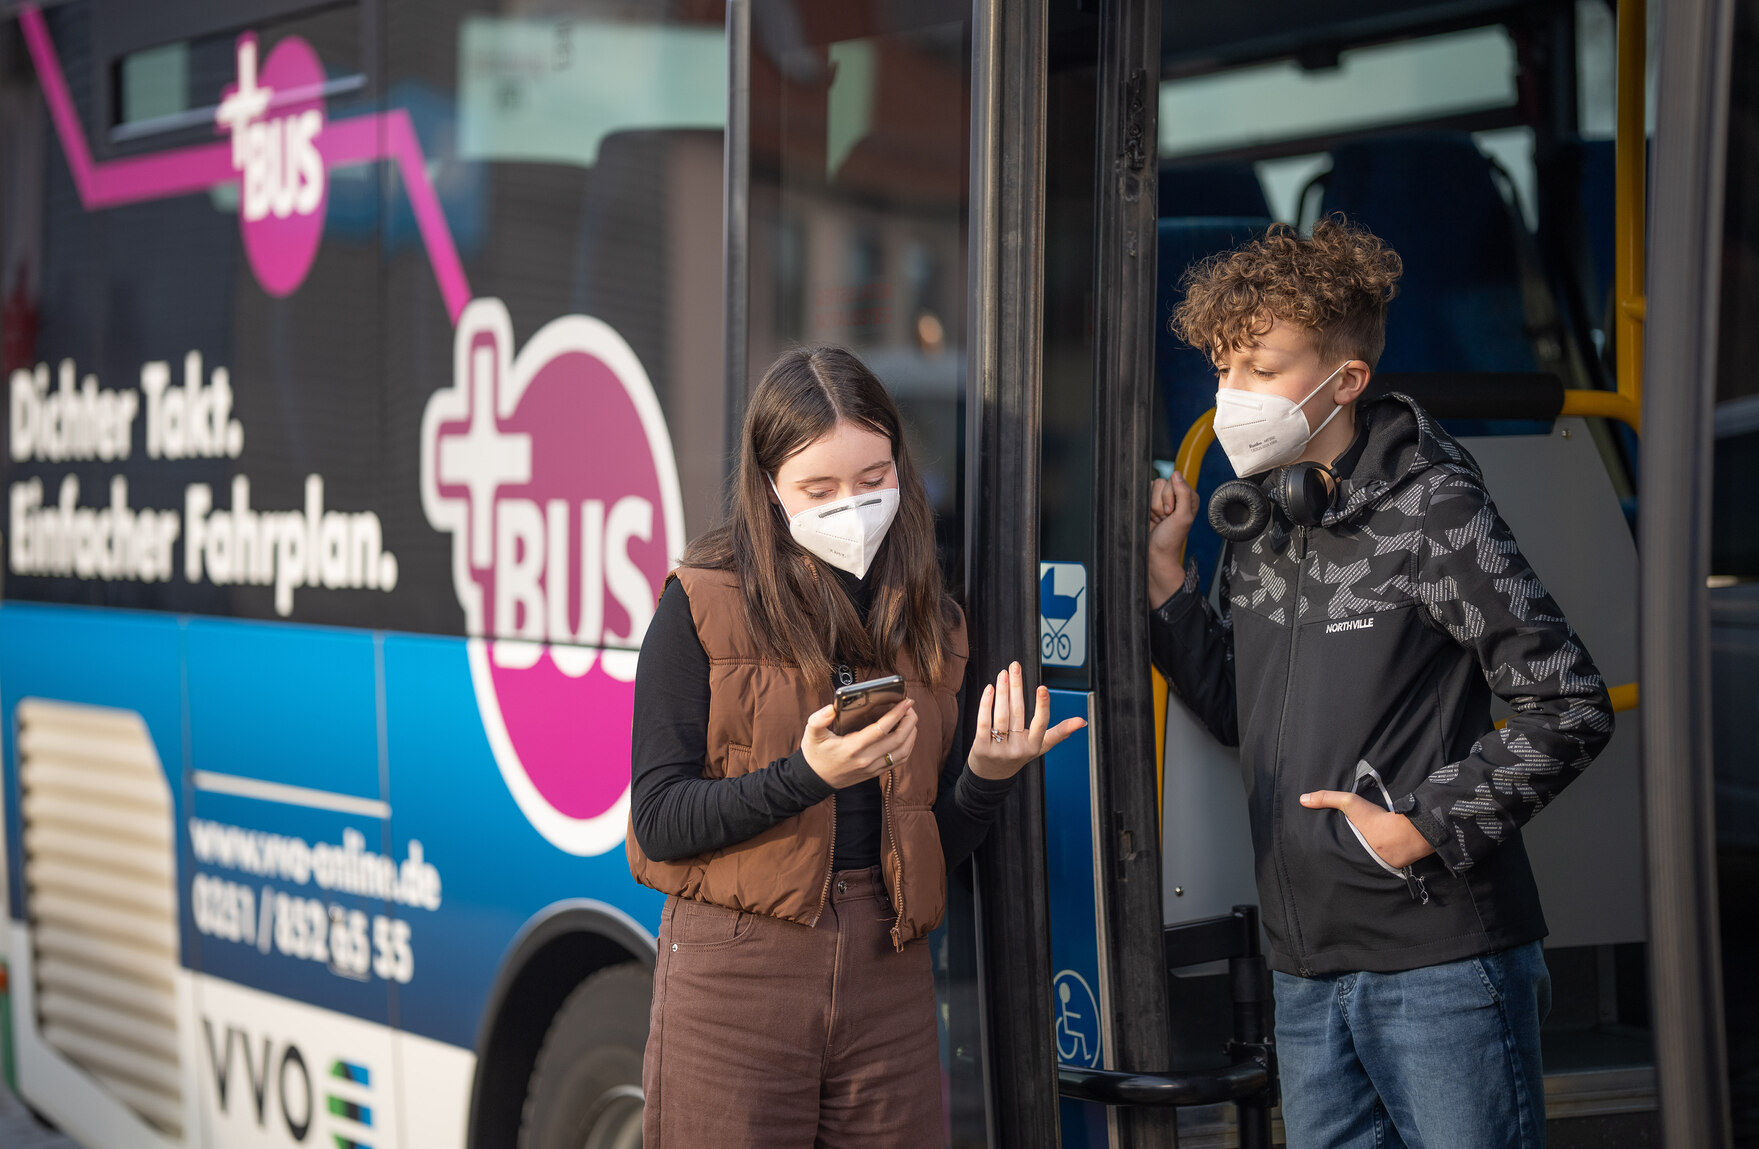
1396	441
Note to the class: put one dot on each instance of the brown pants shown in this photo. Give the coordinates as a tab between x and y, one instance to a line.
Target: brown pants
768	1034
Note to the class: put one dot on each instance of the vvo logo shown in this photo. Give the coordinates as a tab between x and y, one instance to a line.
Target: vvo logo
554	473
278	1089
275	121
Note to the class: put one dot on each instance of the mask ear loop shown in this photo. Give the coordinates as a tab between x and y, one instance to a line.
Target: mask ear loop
781	504
1336	407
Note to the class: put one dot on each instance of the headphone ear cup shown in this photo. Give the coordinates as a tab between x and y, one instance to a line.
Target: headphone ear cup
1300	490
1239	510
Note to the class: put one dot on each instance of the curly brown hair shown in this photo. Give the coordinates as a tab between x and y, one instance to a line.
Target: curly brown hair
1336	283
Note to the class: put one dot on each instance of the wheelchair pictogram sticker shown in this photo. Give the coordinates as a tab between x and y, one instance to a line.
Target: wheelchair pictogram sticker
1077	1020
1062	614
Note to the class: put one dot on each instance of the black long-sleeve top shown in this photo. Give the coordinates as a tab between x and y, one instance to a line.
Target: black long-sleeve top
677	813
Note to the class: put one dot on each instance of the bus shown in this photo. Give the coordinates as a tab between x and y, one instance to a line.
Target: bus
368	365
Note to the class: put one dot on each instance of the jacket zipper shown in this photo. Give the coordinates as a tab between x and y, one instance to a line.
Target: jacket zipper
897	860
824	895
1282	725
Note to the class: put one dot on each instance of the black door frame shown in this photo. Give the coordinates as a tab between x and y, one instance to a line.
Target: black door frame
1133	988
1004	382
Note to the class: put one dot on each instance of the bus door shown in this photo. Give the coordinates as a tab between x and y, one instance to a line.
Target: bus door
1158	985
1253	128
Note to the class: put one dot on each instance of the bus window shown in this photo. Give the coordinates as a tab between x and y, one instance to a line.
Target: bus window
1456	75
858	236
858	213
1446	75
170	91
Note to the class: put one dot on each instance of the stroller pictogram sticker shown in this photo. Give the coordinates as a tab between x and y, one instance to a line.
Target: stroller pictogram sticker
1062	614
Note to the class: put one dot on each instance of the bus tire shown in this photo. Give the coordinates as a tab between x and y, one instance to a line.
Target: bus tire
585	1089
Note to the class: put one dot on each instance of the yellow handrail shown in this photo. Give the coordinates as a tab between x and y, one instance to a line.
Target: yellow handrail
1189	461
1630	152
1197	442
1605	405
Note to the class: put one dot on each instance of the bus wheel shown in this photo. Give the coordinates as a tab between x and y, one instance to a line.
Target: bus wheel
585	1091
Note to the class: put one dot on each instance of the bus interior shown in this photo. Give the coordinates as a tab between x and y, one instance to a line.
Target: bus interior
1478	140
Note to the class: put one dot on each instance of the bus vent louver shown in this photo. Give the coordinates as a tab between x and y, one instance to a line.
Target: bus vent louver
101	892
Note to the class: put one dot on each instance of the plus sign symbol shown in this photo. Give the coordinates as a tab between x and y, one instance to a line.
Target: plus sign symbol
553	472
275	119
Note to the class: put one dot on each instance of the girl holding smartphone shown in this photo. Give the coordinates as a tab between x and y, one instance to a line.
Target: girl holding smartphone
793	997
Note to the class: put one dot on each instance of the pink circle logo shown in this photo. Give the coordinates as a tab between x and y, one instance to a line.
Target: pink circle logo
553	471
275	120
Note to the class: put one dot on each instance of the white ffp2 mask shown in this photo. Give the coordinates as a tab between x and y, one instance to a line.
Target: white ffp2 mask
1259	432
847	533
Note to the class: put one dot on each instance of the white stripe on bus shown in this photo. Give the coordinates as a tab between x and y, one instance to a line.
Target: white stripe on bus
290	795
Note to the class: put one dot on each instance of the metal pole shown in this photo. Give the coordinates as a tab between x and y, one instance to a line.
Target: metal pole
1674	528
1246	976
736	221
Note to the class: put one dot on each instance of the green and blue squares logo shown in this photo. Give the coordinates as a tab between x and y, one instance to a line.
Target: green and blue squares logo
348	1104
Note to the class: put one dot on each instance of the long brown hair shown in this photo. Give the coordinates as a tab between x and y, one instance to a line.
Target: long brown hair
796	610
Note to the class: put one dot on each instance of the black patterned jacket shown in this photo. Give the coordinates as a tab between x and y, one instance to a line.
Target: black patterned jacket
1361	655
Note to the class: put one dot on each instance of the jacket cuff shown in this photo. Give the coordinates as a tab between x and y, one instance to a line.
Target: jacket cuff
1435	831
981	797
804	778
1182	599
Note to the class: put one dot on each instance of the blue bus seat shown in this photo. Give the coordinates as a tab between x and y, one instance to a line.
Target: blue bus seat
1584	221
1432	197
1221	190
1185	376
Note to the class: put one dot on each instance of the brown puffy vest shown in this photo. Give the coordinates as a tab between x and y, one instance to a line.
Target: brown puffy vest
757	710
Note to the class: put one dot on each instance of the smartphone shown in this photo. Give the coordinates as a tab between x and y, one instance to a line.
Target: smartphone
860	703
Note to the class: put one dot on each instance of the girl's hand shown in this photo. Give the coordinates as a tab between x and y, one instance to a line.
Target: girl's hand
1001	708
843	760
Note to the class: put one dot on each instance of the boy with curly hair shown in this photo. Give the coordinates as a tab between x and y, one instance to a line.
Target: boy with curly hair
1352	659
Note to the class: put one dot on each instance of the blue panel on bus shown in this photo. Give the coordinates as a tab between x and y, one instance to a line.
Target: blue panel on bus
288	704
286	892
497	871
1068	794
112	658
286	899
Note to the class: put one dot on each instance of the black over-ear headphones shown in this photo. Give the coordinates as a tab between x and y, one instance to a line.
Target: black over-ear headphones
1240	508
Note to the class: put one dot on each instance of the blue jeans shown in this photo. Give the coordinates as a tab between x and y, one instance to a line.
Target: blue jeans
1444	1057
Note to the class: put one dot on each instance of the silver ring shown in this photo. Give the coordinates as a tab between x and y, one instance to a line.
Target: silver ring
998	736
889	761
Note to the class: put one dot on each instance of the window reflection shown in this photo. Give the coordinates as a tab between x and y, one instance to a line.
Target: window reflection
858	202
